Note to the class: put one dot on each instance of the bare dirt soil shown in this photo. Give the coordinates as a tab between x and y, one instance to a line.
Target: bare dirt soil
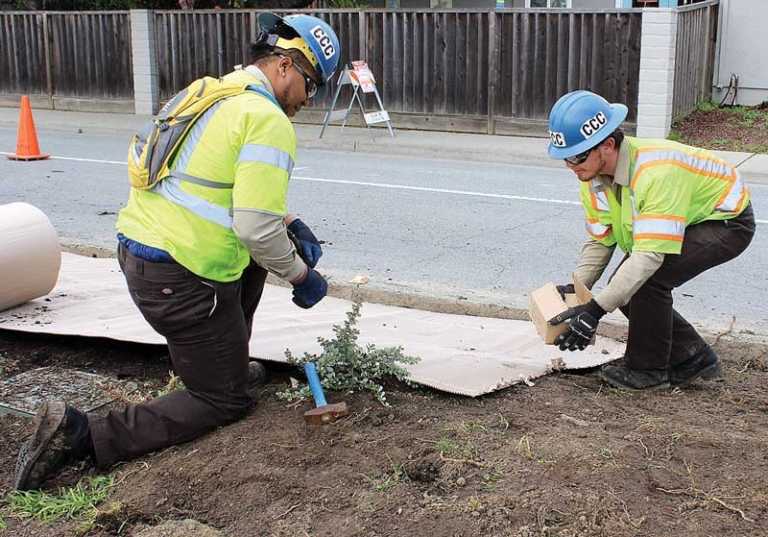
737	128
568	457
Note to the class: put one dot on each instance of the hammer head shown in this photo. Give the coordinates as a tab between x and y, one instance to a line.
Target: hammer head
326	413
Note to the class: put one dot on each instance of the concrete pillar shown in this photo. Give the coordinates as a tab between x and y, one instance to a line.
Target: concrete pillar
657	72
146	81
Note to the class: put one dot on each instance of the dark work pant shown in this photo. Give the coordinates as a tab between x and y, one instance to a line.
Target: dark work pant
659	337
207	326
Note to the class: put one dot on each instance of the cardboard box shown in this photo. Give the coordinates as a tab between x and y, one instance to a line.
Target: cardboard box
545	302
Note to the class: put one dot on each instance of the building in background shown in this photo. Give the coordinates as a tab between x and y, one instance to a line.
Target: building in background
741	62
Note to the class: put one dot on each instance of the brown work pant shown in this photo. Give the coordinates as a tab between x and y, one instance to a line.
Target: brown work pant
207	326
659	337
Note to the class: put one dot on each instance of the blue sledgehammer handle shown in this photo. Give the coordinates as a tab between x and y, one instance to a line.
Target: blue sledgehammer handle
314	384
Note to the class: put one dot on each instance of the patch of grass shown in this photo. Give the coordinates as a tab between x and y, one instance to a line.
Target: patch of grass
491	478
3	525
748	116
706	106
390	479
675	136
473	427
474	504
448	447
524	447
607	454
68	504
618	392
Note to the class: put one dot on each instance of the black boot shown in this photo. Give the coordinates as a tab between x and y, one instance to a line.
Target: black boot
703	365
620	376
61	435
257	374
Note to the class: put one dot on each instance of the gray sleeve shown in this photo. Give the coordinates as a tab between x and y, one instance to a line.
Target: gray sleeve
592	262
630	276
265	236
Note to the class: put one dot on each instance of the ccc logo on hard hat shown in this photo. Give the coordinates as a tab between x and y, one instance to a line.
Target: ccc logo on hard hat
324	41
558	139
593	124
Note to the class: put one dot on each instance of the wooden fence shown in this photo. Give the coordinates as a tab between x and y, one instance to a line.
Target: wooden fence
66	54
695	56
486	66
473	70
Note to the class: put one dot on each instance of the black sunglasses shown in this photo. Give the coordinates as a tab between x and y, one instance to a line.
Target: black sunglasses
310	86
575	160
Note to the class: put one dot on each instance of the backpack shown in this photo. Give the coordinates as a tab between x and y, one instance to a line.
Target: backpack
151	150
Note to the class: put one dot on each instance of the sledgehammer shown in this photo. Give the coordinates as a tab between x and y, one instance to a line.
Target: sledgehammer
323	412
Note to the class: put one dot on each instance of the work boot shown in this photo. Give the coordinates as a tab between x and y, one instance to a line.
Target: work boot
257	374
625	378
61	434
703	365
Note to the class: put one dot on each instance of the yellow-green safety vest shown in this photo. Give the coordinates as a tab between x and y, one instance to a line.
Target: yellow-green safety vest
238	155
670	186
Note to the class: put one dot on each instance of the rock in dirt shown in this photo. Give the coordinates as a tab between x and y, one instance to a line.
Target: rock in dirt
180	528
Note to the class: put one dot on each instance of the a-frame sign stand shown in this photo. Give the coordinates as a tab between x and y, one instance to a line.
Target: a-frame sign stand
360	78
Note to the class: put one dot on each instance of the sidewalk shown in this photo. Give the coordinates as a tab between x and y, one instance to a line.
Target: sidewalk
514	150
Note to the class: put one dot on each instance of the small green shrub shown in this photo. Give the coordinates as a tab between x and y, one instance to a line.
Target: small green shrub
345	366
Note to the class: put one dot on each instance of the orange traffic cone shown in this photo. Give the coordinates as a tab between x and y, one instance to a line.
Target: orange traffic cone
27	147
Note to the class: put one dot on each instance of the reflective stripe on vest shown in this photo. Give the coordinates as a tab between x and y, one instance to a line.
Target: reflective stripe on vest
703	166
170	189
658	226
732	198
193	138
598	196
596	229
268	155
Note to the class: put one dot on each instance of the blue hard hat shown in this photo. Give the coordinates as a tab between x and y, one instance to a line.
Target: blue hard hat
316	33
579	121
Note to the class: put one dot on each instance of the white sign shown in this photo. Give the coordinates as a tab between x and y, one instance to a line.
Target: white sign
376	117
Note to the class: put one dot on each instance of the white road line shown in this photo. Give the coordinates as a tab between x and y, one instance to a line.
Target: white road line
437	190
97	161
381	185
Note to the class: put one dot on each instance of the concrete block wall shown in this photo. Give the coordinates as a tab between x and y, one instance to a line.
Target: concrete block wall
657	72
146	81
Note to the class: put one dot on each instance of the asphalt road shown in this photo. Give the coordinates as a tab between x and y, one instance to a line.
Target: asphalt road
448	228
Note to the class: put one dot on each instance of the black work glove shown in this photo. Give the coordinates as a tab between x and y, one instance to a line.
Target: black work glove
582	325
566	289
310	291
307	245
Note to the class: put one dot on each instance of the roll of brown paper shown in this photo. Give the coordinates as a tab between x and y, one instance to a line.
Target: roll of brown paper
30	255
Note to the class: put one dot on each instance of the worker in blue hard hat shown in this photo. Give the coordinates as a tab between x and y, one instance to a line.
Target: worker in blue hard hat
674	211
195	245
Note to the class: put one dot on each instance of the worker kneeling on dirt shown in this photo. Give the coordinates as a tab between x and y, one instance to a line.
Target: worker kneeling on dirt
674	210
205	222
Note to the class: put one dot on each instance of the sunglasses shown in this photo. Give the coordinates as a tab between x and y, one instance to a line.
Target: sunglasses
310	86
581	158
